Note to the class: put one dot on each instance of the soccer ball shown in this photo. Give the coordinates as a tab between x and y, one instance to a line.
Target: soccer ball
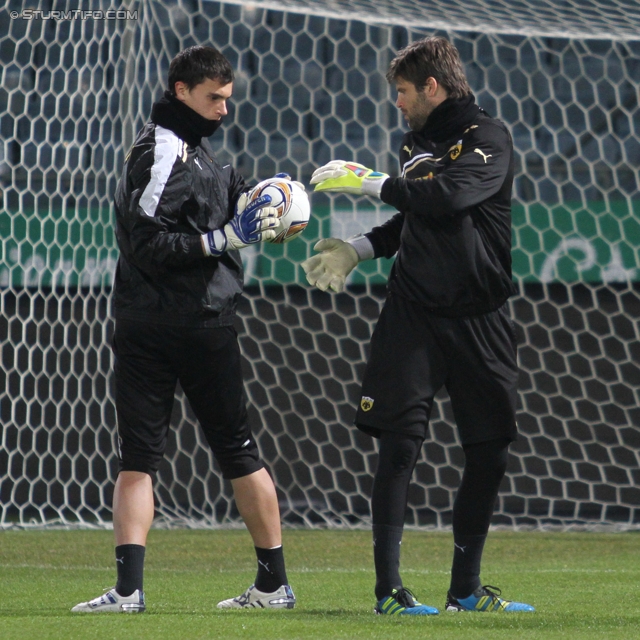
292	203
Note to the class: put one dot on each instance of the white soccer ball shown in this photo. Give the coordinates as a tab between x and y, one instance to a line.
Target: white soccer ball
292	203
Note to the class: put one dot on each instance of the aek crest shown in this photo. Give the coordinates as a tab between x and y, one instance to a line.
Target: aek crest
366	403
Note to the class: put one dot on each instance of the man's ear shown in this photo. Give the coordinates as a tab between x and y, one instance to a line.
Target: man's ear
431	86
180	89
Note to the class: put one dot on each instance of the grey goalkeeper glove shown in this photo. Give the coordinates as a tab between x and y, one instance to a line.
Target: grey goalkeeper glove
330	268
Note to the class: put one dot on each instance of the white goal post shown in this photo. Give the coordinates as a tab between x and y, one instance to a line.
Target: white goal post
310	87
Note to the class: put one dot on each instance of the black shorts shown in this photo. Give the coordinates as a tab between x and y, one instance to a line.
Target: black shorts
414	353
149	360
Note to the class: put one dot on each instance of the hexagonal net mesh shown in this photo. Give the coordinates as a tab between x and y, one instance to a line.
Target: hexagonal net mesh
310	87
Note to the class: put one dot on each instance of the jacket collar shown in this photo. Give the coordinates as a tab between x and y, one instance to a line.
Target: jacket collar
449	117
173	114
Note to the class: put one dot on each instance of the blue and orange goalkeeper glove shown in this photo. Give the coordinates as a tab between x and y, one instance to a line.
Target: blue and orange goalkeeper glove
250	224
339	176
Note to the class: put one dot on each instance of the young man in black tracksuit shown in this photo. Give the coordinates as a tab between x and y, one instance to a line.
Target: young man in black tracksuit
180	219
445	320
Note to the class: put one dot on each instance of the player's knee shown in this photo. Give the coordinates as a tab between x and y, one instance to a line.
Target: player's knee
487	459
402	458
238	461
399	453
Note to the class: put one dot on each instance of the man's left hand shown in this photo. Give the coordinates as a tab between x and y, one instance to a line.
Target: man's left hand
339	176
330	268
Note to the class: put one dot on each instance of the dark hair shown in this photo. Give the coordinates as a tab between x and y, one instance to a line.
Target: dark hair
433	57
196	64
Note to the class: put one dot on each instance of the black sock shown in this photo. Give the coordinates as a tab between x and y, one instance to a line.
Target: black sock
485	465
130	565
465	572
271	572
386	557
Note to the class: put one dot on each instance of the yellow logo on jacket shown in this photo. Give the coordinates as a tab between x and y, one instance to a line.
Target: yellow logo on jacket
366	403
454	152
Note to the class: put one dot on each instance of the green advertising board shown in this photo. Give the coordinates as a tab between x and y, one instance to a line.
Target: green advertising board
57	247
571	243
568	243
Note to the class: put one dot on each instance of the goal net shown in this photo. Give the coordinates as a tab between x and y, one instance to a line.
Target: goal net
76	86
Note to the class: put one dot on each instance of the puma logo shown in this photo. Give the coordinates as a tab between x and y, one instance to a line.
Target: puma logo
409	151
120	560
483	155
198	163
265	565
459	547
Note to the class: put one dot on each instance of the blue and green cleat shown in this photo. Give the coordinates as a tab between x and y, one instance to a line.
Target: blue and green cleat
402	602
485	598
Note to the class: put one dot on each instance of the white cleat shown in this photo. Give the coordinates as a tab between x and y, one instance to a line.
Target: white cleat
283	598
113	602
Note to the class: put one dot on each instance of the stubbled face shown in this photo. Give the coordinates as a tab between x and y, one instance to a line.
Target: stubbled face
416	106
208	99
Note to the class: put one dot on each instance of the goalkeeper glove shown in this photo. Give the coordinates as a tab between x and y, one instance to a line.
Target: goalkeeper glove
348	177
329	269
250	224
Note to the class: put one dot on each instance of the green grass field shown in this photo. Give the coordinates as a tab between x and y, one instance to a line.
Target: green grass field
584	585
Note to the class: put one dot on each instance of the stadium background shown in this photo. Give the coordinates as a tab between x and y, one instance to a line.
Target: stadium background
310	87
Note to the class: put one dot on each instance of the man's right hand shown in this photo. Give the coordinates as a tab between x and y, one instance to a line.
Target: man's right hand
252	222
330	268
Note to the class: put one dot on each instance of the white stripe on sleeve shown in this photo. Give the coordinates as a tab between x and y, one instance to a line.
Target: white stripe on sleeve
165	154
422	157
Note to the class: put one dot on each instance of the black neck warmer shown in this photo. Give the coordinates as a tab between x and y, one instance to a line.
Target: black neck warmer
173	114
449	117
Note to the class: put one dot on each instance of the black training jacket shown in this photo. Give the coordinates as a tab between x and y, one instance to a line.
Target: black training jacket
453	233
172	191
